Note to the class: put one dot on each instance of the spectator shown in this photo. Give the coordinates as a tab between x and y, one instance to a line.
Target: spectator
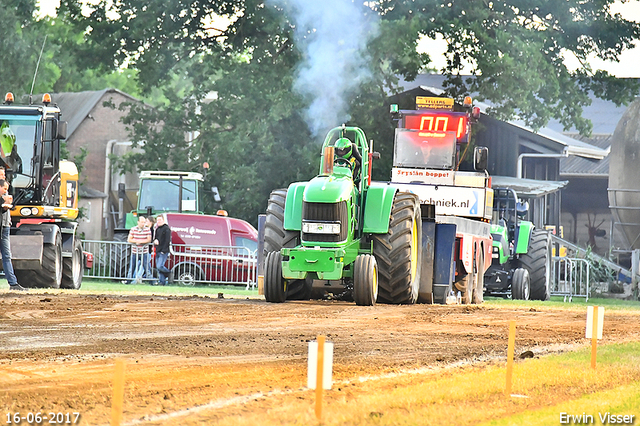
162	244
139	238
150	225
5	225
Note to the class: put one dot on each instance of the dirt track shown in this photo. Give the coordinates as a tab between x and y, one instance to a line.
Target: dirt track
58	349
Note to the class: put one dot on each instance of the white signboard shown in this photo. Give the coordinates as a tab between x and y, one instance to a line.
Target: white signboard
312	366
589	333
453	200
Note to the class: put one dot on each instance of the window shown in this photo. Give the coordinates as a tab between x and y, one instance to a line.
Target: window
162	195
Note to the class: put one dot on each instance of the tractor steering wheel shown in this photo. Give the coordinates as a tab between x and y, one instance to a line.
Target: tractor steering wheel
342	162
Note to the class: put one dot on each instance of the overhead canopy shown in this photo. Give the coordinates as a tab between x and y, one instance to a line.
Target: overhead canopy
528	188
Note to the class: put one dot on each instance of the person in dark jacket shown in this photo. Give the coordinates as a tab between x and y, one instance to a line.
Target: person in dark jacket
162	243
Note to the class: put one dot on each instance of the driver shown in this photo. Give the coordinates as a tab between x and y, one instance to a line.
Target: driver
7	140
348	151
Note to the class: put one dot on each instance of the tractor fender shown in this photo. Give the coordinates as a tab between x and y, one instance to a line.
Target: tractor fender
293	206
523	236
377	208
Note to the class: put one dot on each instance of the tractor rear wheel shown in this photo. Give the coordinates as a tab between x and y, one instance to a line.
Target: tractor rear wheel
520	284
365	280
537	261
398	252
276	237
73	268
274	285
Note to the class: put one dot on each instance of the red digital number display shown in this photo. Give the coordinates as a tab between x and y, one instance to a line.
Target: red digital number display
440	122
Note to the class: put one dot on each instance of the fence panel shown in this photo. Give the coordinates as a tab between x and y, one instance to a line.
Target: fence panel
189	265
571	278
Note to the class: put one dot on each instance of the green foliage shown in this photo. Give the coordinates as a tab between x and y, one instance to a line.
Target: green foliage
64	65
516	50
230	86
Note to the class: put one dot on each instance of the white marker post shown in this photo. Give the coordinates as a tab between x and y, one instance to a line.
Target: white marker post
595	321
319	365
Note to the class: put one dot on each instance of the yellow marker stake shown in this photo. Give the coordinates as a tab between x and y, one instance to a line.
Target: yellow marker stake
319	377
118	394
594	338
510	350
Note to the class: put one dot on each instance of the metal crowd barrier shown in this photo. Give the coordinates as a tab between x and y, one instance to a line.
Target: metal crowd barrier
189	265
571	278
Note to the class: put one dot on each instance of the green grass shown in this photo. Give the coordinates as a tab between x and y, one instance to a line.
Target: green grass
93	286
577	302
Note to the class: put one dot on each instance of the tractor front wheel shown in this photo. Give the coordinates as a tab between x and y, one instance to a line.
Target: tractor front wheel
276	237
73	268
274	285
520	284
365	280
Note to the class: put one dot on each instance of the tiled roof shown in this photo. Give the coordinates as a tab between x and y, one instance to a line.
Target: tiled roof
76	106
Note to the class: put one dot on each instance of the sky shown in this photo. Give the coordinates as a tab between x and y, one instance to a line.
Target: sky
629	65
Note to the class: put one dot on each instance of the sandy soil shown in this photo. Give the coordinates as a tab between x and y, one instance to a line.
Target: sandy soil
58	350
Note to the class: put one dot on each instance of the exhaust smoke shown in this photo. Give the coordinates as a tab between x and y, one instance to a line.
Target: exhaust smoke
332	36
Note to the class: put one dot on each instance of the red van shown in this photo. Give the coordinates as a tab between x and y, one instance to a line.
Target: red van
211	249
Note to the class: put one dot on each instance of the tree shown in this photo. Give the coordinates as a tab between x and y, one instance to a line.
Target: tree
20	44
516	50
238	79
53	46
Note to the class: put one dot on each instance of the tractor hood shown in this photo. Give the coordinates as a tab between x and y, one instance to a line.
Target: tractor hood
329	189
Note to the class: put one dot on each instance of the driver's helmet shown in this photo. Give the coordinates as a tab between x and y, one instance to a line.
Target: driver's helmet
342	148
7	139
522	207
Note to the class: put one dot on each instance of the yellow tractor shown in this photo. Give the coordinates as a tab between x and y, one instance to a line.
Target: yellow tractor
46	250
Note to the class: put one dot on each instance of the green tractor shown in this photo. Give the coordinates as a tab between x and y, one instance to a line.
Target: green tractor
362	236
522	254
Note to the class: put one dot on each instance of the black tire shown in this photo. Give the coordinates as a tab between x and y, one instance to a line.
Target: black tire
365	280
276	237
520	284
50	275
478	293
119	255
537	261
274	285
73	268
398	252
186	274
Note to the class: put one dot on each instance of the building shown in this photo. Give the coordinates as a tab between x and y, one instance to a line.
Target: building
94	124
